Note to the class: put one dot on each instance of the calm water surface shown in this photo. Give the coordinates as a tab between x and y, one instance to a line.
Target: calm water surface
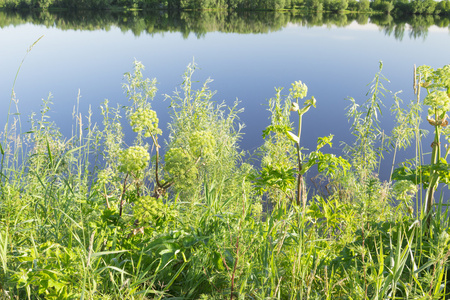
335	63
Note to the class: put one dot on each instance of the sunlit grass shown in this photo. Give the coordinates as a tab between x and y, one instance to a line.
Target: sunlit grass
89	217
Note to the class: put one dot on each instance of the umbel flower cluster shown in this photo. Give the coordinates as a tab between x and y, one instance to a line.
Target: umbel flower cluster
437	83
181	165
104	177
148	209
439	101
202	143
145	119
298	90
133	159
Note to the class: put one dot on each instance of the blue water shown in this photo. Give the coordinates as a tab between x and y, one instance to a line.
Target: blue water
335	63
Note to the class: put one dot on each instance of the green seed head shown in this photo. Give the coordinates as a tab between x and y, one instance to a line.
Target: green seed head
133	159
144	119
202	143
438	101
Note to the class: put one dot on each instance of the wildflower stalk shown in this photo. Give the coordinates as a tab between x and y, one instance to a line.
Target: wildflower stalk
122	195
299	177
418	155
437	84
434	177
160	187
299	91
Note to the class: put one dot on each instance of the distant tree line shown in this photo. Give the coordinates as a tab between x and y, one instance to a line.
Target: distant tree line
398	7
153	4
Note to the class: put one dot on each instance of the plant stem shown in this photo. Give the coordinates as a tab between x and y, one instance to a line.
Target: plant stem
237	249
393	160
434	177
234	268
300	167
155	142
121	196
299	178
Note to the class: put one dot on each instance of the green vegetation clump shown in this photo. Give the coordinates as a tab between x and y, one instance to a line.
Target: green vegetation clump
89	217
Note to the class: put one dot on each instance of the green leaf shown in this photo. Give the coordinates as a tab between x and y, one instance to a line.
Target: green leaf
281	129
274	177
99	271
327	163
443	171
330	164
107	253
420	175
50	156
424	173
326	140
217	260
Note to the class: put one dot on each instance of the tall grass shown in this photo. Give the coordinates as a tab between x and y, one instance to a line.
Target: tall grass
89	217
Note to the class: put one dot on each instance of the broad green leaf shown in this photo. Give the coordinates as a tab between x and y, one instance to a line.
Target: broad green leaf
422	174
416	176
274	177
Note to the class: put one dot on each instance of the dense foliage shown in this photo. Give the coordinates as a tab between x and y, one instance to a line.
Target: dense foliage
91	217
400	7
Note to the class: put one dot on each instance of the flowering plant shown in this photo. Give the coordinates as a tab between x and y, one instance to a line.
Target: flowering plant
145	119
202	143
133	159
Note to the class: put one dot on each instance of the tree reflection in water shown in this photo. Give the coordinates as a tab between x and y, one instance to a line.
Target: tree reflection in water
201	22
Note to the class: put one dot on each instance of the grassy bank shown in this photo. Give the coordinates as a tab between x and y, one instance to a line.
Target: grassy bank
90	217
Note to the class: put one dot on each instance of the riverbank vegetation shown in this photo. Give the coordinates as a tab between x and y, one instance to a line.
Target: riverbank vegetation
200	23
400	7
91	217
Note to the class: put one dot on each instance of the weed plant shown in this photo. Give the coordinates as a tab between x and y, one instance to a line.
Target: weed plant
90	217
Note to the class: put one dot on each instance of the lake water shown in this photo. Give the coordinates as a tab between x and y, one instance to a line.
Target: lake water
246	55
